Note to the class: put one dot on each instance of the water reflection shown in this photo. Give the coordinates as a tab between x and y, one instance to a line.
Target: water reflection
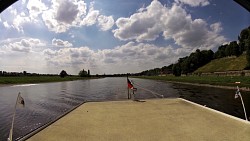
45	102
215	98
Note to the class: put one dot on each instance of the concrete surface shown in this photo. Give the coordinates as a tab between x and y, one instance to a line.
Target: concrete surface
149	120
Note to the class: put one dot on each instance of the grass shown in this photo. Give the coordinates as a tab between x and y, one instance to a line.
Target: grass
212	80
38	79
218	65
224	64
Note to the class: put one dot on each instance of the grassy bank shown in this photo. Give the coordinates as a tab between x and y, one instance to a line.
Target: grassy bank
38	79
224	64
211	80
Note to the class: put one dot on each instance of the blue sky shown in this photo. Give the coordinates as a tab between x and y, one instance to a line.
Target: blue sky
113	36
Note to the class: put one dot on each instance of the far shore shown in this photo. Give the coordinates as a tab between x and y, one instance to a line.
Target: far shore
19	80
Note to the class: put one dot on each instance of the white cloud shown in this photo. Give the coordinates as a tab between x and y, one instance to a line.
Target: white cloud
194	3
142	8
22	45
2	52
130	57
144	25
19	54
91	17
61	43
67	57
82	11
59	16
18	18
35	8
55	18
15	61
134	53
13	11
174	22
62	15
105	23
23	1
19	21
36	42
66	12
133	57
6	25
49	52
189	33
216	27
22	14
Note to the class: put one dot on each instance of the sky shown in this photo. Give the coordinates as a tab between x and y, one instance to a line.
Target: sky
113	36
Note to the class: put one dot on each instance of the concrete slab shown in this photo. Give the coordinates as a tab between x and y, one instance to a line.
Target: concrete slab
149	120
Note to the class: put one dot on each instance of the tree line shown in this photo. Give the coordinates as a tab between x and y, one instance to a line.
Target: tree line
82	73
24	73
199	58
62	74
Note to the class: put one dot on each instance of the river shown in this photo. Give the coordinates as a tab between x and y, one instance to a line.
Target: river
46	102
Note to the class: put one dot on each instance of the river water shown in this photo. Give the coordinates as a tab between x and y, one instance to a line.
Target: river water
46	102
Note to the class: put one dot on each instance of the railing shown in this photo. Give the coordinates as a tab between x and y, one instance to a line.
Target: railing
238	94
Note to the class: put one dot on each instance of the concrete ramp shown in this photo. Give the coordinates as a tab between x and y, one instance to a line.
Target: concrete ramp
149	120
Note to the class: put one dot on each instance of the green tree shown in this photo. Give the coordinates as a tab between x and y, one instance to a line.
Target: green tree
229	50
244	44
244	39
88	72
221	52
235	49
177	69
167	69
63	73
248	57
185	65
24	73
195	60
83	73
207	56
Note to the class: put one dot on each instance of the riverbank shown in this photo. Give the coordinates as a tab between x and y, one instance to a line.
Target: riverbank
226	82
5	81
